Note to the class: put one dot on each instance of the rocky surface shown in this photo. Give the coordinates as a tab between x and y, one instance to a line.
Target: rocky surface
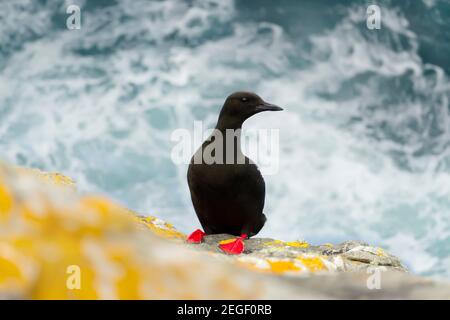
47	229
299	257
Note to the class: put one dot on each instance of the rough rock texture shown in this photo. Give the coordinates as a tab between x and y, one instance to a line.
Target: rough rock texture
289	258
45	230
299	257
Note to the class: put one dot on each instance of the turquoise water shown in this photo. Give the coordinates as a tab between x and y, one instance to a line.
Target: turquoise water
364	139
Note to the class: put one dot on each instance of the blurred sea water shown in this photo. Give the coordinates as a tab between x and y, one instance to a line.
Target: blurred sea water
364	139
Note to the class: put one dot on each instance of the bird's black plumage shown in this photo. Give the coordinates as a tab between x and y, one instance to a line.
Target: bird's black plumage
228	193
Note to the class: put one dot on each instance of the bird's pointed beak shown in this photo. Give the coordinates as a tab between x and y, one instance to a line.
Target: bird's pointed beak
268	107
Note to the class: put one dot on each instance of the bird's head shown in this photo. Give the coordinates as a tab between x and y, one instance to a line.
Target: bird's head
241	105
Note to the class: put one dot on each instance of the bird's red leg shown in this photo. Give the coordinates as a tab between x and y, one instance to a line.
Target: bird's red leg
196	236
235	247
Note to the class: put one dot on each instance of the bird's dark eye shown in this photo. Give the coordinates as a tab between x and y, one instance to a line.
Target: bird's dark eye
244	99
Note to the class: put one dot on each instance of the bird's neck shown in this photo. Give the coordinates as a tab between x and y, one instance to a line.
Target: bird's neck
225	123
230	131
229	141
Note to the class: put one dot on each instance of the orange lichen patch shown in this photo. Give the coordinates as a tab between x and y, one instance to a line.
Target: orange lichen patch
96	212
279	243
99	208
6	203
227	241
297	244
264	265
10	270
283	266
313	264
15	268
161	228
275	243
128	282
55	276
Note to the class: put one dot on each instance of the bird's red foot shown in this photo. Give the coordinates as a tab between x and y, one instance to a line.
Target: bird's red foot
234	247
196	236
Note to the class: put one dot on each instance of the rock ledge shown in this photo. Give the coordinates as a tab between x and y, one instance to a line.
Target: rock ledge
47	229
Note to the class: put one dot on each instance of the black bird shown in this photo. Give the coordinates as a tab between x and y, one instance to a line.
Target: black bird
227	189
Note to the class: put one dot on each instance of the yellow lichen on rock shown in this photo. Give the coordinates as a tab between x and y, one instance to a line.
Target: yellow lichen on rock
313	264
5	203
55	244
161	228
42	237
298	244
380	252
297	266
274	243
13	268
53	178
226	241
283	266
279	243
